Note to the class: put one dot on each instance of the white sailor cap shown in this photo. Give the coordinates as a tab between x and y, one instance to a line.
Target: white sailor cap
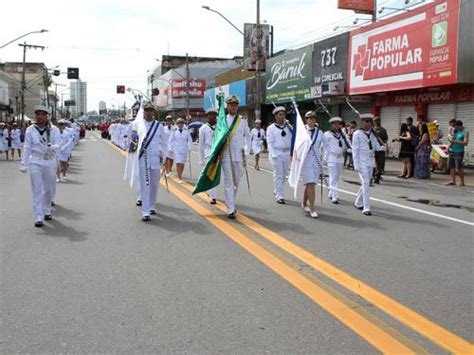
310	114
335	119
211	110
258	121
62	121
39	108
278	109
169	118
180	120
367	117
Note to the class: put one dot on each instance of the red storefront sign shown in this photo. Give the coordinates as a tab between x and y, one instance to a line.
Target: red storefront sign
197	87
423	96
411	50
359	6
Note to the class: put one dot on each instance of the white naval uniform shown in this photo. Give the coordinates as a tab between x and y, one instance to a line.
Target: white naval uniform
41	161
233	160
149	168
66	145
312	165
180	143
279	155
168	131
363	155
3	140
15	134
337	144
206	135
257	136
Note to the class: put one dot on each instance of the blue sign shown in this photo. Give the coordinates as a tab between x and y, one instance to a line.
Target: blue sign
237	88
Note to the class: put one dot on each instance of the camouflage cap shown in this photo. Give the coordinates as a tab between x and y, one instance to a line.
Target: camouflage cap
232	100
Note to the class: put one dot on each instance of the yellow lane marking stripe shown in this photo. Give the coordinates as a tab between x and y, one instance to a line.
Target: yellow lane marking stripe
353	320
403	314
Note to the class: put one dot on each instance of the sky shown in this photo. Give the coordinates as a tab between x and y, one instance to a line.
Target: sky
117	42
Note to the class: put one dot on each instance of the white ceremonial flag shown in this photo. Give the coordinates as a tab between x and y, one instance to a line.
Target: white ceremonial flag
300	150
138	134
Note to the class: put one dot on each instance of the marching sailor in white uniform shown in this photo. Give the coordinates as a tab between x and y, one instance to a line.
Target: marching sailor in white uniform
337	145
4	139
364	145
235	155
39	156
257	136
279	136
180	143
312	166
15	135
206	135
169	127
147	140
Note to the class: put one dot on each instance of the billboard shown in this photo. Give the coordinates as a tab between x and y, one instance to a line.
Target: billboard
359	6
251	44
411	50
237	88
197	87
330	65
290	75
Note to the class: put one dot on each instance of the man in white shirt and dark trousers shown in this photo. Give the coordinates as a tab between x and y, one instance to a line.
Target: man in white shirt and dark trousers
206	135
337	144
235	154
364	145
279	136
39	155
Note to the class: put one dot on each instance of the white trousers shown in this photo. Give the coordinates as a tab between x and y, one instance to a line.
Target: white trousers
229	190
148	193
280	169
363	196
335	170
212	192
43	186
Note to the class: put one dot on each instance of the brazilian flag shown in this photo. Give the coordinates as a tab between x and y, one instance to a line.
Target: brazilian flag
210	175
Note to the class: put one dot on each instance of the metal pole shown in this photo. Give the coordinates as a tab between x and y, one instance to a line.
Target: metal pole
257	66
187	86
23	84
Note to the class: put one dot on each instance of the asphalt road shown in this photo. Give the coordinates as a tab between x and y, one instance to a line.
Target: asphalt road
97	279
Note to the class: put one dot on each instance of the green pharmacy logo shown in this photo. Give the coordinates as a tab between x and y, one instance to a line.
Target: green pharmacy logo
439	34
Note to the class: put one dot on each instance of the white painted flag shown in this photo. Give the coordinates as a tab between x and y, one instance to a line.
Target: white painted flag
136	140
300	150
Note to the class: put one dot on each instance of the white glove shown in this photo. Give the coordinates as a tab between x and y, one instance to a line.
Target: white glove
23	168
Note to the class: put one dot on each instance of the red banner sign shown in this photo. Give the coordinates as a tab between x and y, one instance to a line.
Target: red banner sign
197	87
359	6
423	96
412	50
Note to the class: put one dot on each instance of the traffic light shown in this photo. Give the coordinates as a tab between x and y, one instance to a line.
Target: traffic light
73	73
120	89
155	92
56	72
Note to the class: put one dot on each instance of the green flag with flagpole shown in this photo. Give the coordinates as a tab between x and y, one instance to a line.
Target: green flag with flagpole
210	175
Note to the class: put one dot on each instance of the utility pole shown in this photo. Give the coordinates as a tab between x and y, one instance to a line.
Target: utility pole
23	76
187	86
258	103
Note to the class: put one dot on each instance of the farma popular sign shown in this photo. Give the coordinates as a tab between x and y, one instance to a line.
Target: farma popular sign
417	49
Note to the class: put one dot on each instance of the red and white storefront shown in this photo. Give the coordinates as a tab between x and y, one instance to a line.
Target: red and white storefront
411	64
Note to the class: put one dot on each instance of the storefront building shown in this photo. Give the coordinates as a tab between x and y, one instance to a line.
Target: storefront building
418	63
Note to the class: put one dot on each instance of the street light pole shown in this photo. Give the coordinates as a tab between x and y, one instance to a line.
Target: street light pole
225	18
26	34
258	102
187	86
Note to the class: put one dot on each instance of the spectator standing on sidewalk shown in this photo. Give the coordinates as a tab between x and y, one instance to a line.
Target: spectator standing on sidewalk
456	152
415	137
423	152
382	137
406	150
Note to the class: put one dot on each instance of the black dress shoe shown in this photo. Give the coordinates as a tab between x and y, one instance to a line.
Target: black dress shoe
281	201
139	202
213	201
153	212
336	202
146	218
231	215
48	217
53	204
38	224
359	208
367	213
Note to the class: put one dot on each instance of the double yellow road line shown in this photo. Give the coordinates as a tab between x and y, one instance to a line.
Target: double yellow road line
375	331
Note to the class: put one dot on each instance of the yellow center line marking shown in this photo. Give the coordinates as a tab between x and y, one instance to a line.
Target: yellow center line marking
366	329
403	314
